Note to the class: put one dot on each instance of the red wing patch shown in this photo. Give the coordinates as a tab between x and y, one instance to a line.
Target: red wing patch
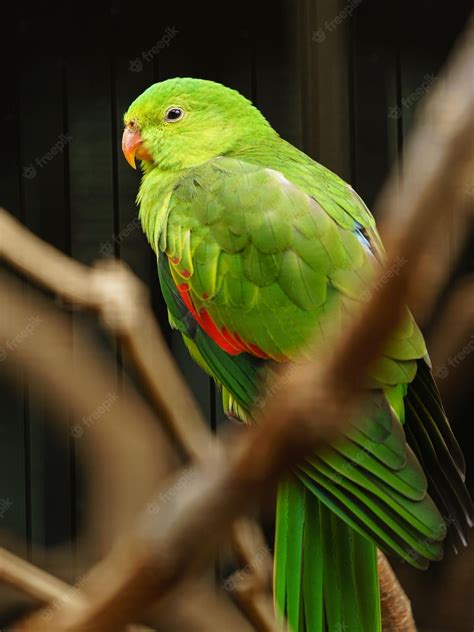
230	343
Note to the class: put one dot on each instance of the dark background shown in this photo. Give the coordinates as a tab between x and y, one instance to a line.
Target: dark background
343	92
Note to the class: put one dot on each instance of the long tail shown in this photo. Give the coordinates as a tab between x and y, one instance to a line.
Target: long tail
326	577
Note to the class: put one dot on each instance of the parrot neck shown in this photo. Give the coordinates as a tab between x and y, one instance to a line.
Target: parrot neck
153	197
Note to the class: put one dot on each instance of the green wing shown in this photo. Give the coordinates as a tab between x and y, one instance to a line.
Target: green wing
265	260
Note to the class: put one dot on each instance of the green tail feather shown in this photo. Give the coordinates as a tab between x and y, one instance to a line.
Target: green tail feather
325	572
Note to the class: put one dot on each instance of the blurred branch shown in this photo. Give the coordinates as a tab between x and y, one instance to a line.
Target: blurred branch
449	239
138	446
35	582
256	602
455	324
43	587
43	263
200	610
123	304
199	607
452	341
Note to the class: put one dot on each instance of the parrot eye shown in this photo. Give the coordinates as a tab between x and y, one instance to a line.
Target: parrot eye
174	114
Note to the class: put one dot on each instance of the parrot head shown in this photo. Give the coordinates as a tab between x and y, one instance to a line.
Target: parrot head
182	122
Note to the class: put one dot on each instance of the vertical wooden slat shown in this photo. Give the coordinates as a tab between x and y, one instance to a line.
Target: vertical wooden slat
93	223
131	241
91	187
277	70
43	145
375	106
326	104
14	462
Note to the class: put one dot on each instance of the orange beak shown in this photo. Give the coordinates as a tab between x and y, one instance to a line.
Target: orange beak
132	147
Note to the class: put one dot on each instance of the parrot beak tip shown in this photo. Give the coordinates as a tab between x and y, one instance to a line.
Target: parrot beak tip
130	158
131	146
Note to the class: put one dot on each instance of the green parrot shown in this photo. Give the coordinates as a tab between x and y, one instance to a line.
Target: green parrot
260	252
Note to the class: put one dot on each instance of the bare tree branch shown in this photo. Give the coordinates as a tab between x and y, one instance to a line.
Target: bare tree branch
197	607
396	607
43	587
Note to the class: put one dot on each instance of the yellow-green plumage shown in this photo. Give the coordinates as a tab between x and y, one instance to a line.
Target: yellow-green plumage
261	250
